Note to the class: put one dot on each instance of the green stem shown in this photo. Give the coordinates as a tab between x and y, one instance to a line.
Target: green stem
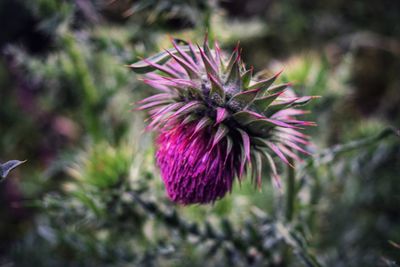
289	205
290	191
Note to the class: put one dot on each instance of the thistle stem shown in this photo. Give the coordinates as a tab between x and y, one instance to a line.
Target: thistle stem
290	191
289	205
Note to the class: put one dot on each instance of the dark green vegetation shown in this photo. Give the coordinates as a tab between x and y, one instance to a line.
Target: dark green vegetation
90	195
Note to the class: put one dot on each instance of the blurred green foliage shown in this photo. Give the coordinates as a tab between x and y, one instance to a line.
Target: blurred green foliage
90	194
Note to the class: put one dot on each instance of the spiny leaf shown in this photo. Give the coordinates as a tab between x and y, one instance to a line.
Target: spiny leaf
264	84
210	68
234	57
144	66
263	103
218	58
246	143
260	127
282	124
207	51
170	72
259	141
278	88
229	146
221	132
242	160
155	97
288	103
233	77
303	100
279	153
244	98
193	53
246	117
188	68
216	88
154	104
278	106
300	122
257	165
290	112
165	110
204	122
9	166
275	175
296	147
184	54
294	138
289	153
246	77
189	118
194	105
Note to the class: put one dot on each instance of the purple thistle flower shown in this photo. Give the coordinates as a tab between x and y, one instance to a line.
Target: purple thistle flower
214	121
192	169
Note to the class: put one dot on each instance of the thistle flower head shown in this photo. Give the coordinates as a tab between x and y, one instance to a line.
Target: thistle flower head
215	121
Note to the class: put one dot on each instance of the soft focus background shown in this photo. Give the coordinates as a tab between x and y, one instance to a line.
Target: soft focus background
90	194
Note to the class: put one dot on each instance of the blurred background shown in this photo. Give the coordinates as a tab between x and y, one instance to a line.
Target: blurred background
90	194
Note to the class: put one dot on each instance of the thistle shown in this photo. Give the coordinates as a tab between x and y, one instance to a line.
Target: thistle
214	121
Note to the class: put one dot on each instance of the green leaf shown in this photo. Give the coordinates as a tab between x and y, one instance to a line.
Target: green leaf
244	99
208	64
278	88
302	101
263	103
234	79
258	141
264	84
207	50
9	166
260	127
143	67
246	77
216	89
233	58
273	108
246	117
